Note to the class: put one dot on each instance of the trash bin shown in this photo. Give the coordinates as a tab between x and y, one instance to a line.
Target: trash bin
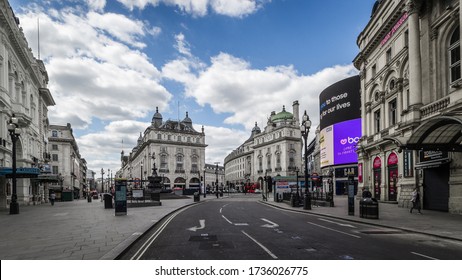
307	201
369	208
293	200
197	197
221	193
107	200
89	198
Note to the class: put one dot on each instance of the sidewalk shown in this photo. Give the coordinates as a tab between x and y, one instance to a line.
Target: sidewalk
78	230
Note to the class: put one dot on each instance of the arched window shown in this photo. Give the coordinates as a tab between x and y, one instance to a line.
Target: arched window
454	56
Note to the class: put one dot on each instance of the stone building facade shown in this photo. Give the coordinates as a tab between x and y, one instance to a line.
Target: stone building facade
274	151
66	163
174	146
24	95
410	69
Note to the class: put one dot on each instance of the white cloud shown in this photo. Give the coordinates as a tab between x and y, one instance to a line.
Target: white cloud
102	149
119	26
230	85
221	141
96	5
92	70
199	8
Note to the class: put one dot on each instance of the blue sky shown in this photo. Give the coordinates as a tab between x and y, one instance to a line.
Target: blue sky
229	63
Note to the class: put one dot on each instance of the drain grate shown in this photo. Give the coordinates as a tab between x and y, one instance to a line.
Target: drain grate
381	231
203	237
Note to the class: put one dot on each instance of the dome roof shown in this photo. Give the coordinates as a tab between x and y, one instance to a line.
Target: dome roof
282	116
187	119
157	115
256	129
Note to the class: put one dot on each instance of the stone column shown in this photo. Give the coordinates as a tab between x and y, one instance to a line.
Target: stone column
415	65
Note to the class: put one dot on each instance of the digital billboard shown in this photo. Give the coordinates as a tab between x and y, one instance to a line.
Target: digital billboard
340	122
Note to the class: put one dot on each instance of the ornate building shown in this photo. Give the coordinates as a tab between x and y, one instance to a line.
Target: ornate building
176	148
410	69
274	151
66	163
24	95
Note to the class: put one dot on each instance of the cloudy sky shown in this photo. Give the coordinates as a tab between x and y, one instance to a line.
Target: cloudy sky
229	63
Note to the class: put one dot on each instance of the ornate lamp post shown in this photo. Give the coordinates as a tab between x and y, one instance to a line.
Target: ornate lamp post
15	131
216	173
141	178
102	183
305	130
109	180
205	187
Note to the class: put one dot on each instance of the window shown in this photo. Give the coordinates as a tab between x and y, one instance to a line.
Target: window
159	136
55	170
163	162
268	162
454	56
260	163
54	133
392	107
179	162
388	55
291	160
194	167
377	121
54	157
374	70
54	147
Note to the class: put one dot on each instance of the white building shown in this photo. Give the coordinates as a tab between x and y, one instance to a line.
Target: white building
274	151
23	94
177	149
410	65
66	162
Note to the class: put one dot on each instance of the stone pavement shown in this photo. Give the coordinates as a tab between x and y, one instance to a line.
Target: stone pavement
77	230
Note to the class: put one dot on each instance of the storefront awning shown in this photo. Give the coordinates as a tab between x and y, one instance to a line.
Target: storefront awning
47	178
442	133
22	172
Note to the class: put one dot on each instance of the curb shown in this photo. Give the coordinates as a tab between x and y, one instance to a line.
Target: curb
362	222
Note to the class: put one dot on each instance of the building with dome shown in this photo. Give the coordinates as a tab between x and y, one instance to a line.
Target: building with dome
276	150
176	149
411	92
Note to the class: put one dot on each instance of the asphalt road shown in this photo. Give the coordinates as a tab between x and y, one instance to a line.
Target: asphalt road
242	228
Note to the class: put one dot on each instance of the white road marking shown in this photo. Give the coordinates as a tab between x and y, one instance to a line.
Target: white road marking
241	224
261	245
226	219
340	224
201	226
61	214
270	225
428	257
356	236
156	234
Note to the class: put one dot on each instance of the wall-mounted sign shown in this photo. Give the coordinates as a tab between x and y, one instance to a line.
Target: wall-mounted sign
395	28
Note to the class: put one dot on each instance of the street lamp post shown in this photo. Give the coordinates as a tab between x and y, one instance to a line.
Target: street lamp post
102	183
216	173
109	180
305	130
141	177
15	131
205	187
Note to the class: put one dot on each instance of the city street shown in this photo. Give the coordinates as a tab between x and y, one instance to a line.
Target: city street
242	228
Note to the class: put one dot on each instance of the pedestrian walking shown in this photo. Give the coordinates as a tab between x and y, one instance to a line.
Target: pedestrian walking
52	198
415	200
